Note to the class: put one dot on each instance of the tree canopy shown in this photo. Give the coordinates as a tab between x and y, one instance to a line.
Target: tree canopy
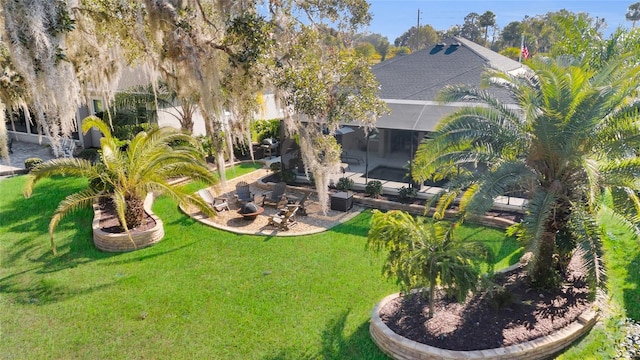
633	13
417	38
220	52
569	145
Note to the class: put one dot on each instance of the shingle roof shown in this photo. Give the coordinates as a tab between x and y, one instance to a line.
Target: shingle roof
421	75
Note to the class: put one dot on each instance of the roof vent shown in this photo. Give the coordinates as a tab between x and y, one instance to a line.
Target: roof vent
442	44
456	44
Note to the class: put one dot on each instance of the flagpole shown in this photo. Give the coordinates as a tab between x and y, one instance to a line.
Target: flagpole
521	46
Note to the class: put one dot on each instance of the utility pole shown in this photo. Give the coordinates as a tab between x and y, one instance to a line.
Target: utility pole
417	34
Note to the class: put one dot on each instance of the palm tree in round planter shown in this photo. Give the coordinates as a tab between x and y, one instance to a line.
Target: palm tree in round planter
571	141
125	177
422	253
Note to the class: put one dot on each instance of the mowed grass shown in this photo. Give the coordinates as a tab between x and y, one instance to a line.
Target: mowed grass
200	293
622	263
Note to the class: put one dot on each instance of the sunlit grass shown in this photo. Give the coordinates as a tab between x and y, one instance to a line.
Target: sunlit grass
622	260
199	293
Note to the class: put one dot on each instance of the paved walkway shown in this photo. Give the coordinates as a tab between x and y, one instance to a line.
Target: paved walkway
21	152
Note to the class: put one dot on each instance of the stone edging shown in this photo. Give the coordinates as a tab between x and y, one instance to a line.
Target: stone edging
401	348
110	242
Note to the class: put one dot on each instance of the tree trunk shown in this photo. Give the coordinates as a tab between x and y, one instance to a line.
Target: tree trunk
432	297
543	273
187	123
134	213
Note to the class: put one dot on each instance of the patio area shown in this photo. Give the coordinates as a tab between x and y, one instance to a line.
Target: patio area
354	166
314	222
21	152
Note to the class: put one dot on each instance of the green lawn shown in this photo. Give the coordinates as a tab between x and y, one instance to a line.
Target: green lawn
622	259
200	293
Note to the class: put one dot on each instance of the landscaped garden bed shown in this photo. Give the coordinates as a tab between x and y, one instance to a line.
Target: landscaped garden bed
109	235
510	318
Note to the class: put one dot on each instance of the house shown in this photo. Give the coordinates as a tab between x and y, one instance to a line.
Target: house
19	128
409	86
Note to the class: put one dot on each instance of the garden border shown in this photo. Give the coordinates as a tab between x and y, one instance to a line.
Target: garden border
121	242
401	348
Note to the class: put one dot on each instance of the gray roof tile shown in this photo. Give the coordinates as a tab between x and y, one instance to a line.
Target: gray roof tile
421	75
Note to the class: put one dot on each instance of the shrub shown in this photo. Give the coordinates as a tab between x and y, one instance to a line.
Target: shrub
129	131
264	129
285	175
288	176
374	188
275	167
241	150
407	193
32	162
344	183
424	253
90	154
207	147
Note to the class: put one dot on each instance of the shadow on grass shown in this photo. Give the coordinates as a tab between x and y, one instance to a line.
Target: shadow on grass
25	227
43	291
148	256
335	345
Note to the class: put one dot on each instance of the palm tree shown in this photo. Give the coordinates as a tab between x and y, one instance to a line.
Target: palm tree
572	138
633	13
485	20
125	177
142	103
423	253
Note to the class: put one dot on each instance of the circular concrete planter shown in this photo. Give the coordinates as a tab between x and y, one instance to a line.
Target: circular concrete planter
401	348
123	242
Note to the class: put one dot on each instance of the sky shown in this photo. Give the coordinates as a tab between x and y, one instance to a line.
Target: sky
391	18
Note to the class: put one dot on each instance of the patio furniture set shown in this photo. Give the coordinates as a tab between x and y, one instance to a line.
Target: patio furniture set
288	206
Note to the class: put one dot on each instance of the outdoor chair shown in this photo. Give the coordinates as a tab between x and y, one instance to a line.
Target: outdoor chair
243	193
67	148
218	203
300	204
285	219
348	159
275	196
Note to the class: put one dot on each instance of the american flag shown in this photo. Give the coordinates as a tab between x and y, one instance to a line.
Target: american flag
524	52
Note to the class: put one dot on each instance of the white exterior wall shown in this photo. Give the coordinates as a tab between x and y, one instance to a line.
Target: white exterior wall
268	110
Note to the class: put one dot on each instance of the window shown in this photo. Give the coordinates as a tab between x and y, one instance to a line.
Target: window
16	121
98	106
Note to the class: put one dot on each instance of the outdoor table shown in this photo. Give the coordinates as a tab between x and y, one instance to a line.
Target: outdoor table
342	201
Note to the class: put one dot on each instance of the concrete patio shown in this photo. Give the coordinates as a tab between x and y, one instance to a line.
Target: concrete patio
21	152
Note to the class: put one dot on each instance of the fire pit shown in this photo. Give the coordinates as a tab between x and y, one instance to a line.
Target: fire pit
250	211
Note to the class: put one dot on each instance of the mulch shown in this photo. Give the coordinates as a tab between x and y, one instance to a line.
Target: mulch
110	223
480	322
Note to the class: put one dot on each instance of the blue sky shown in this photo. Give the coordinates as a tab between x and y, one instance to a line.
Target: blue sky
391	18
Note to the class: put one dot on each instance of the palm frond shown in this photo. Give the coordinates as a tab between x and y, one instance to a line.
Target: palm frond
539	209
497	182
70	204
60	166
588	237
